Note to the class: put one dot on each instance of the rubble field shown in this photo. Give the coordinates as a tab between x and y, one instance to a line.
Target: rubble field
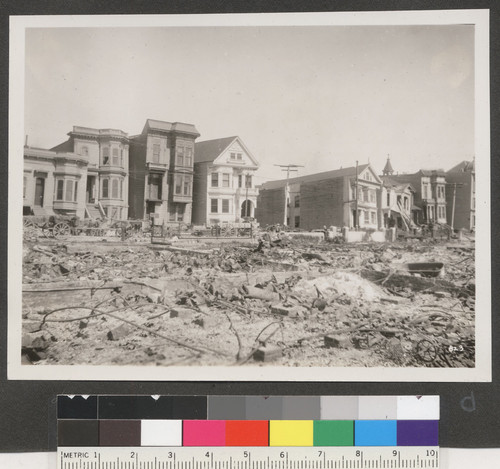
300	303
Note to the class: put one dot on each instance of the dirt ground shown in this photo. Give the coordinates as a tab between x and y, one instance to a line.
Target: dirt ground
304	303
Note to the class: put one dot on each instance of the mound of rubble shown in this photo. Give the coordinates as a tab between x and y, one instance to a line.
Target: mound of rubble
300	304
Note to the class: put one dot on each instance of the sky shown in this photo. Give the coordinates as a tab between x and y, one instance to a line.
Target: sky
322	97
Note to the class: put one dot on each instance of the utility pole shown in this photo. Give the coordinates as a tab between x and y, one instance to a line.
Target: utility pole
288	168
454	184
356	220
246	195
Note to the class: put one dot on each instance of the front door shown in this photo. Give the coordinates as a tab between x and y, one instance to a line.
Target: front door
39	191
90	189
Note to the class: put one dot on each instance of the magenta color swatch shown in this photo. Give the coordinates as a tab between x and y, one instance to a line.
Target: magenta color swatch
204	433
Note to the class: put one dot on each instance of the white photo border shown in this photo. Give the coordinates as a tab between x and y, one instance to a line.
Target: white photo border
482	372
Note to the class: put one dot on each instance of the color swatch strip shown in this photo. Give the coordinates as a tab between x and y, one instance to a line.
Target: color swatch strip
249	407
287	433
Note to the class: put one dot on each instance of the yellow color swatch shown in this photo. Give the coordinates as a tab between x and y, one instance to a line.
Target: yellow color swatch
291	433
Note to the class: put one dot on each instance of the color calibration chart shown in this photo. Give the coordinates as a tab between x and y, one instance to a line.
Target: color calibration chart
247	432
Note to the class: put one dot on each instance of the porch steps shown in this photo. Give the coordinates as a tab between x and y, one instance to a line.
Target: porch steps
93	211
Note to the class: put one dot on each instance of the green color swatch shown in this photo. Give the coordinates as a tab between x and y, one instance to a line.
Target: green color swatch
333	433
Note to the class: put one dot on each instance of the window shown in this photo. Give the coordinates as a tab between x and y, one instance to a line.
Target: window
69	190
215	179
183	184
155	183
288	201
225	206
114	188
287	221
297	221
425	194
156	152
180	156
60	190
25	183
121	188
225	180
105	155
178	184
406	203
240	180
115	156
105	188
121	157
373	217
214	205
248	181
366	216
371	195
238	156
297	201
188	156
187	185
233	156
388	199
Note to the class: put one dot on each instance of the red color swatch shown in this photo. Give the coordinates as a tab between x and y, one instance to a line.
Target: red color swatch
247	433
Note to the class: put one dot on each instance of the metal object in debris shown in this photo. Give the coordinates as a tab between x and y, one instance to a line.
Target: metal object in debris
425	269
426	351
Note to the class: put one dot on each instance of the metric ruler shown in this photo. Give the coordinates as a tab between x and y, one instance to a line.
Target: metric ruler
318	457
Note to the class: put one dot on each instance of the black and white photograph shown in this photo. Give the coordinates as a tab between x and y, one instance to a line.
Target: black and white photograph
250	197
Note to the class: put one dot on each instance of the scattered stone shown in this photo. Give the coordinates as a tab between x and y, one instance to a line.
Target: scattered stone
267	353
119	332
280	308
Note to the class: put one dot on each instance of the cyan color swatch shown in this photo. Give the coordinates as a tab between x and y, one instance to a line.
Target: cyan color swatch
375	433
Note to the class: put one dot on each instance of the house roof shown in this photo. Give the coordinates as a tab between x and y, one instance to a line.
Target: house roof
337	173
209	150
65	146
153	124
463	167
432	172
388	181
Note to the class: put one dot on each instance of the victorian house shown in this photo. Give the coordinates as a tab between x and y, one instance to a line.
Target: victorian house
397	201
105	182
429	196
161	172
461	196
348	197
224	187
53	183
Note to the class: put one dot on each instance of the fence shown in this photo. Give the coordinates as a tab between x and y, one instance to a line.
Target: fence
160	233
